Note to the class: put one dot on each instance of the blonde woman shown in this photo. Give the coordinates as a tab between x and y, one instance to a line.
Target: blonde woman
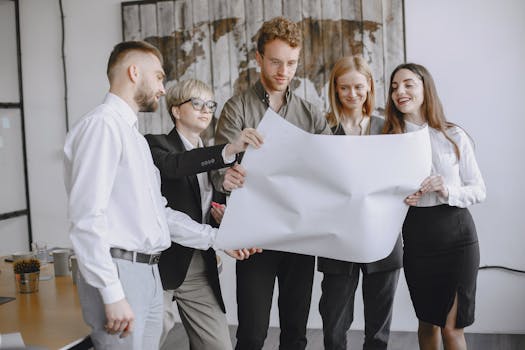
189	276
351	94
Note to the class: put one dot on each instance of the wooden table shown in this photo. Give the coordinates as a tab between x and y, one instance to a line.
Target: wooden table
51	317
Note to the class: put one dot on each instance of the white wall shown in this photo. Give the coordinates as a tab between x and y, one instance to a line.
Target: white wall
474	49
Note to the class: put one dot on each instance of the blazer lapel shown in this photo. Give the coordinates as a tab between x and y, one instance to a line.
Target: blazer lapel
338	130
178	145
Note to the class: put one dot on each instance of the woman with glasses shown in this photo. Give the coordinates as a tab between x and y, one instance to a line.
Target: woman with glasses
189	276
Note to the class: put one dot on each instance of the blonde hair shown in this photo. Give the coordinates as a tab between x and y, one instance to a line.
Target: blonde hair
185	90
342	66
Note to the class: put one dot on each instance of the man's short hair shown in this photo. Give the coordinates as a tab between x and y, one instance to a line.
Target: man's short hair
122	49
279	28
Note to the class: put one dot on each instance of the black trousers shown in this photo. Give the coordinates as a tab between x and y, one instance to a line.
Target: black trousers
255	285
337	307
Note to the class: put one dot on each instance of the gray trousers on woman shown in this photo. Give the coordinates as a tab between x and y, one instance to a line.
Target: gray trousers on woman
199	310
143	290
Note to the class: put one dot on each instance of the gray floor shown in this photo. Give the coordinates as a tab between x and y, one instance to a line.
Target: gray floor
398	340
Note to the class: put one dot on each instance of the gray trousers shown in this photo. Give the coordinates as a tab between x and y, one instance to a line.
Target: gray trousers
143	290
201	315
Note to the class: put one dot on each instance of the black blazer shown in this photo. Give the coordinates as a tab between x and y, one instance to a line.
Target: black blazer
178	171
391	262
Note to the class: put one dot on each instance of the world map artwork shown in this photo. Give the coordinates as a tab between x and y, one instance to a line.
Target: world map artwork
184	48
215	41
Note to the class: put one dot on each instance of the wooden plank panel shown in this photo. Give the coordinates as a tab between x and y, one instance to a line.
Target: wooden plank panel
202	52
201	41
373	46
148	20
351	27
131	20
332	40
393	37
272	8
221	26
166	29
237	48
293	9
313	52
166	18
183	39
254	19
149	123
215	40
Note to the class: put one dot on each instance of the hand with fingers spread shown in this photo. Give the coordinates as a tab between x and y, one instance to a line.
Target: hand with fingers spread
241	254
234	177
248	136
434	183
120	318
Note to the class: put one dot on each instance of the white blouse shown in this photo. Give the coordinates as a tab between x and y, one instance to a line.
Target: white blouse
462	178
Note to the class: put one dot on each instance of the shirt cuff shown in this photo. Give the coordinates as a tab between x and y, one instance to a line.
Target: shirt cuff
452	199
213	238
228	160
112	293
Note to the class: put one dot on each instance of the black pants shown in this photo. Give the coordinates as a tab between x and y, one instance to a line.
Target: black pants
337	307
255	285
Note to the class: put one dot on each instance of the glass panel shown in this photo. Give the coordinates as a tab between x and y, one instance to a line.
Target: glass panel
13	235
12	187
8	56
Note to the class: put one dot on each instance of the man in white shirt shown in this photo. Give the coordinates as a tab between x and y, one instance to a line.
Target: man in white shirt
119	220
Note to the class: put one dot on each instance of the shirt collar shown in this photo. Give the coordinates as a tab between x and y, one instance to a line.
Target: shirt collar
364	121
187	144
409	126
365	125
265	97
122	108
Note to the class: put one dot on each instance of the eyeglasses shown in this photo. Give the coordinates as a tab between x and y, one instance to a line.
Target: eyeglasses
198	104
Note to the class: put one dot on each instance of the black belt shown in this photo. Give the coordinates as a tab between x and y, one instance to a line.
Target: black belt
151	259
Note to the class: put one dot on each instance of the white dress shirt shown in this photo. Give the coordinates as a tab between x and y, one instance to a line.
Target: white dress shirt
462	178
205	187
115	199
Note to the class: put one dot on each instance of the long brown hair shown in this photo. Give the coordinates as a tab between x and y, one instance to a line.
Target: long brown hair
432	108
342	66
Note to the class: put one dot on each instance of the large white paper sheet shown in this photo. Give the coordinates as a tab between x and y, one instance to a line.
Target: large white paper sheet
339	197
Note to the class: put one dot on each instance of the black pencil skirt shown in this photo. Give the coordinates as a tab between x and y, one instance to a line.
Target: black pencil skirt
441	260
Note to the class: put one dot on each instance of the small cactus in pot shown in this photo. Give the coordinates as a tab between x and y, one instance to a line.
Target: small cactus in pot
27	274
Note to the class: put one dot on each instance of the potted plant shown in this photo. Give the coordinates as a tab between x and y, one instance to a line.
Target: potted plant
27	273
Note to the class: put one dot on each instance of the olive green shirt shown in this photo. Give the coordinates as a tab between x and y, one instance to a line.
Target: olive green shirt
247	109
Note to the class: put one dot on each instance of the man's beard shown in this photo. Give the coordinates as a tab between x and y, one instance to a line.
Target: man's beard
273	86
146	102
